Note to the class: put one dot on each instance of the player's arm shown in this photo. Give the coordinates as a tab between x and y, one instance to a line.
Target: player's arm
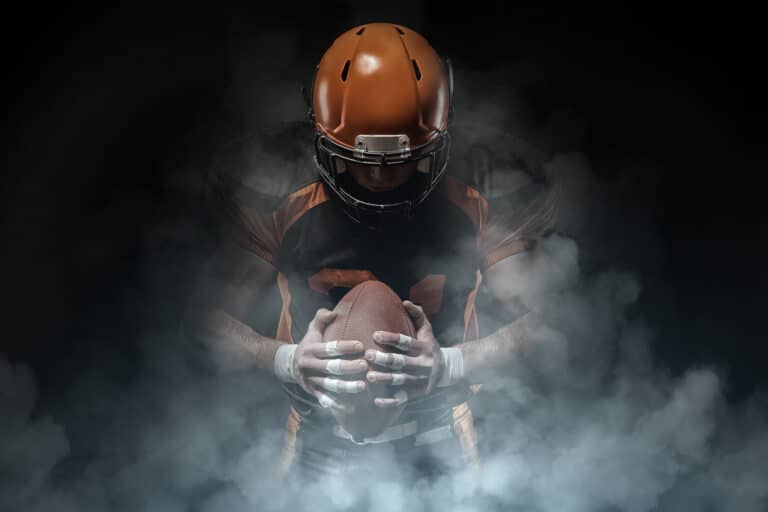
506	240
230	285
237	285
426	365
530	220
487	357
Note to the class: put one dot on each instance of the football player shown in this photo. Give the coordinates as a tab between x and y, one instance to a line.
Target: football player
383	207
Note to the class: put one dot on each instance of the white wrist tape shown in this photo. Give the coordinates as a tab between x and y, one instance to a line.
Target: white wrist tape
284	362
454	367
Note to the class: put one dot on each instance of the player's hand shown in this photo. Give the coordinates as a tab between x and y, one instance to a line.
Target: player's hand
319	368
417	371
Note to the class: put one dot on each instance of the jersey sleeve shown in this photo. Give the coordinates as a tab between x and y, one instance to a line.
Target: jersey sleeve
256	195
507	220
517	219
519	199
244	216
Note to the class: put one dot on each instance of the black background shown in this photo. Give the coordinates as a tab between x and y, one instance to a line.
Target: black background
104	103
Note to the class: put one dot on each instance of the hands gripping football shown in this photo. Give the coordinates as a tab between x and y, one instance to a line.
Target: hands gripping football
318	366
329	370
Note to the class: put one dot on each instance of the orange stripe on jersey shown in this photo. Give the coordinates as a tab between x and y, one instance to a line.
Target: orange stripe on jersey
258	231
497	237
284	325
471	202
464	427
471	327
253	230
288	454
512	247
297	204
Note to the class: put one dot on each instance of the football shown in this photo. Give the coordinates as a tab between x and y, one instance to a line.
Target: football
368	307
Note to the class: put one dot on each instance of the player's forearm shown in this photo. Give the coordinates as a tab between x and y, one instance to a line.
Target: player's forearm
221	331
490	357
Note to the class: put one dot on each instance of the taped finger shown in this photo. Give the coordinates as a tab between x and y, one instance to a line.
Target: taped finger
397	400
394	378
331	349
394	361
325	401
337	348
334	367
339	386
342	367
404	343
397	340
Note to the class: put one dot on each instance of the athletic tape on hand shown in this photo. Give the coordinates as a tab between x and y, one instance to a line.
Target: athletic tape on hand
283	365
454	367
332	349
404	343
398	361
333	366
340	386
326	402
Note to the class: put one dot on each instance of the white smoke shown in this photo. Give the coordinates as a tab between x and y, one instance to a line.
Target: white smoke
29	446
585	420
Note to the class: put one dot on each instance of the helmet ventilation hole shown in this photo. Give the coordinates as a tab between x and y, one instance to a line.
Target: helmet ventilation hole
345	71
416	69
360	32
400	31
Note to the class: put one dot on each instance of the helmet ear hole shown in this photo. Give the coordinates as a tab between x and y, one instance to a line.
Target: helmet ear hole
423	165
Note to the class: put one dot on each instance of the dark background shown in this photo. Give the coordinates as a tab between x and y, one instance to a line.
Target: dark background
108	107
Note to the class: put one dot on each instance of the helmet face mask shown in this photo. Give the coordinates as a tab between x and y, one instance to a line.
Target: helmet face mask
381	98
376	208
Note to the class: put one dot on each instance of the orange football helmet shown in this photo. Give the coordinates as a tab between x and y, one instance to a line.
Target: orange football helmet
381	97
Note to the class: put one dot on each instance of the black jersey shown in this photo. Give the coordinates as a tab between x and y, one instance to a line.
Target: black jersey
436	259
432	260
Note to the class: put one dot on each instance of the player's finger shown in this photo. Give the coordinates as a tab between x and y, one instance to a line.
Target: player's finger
333	366
392	361
338	385
328	402
394	378
399	341
416	313
321	319
398	399
337	348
